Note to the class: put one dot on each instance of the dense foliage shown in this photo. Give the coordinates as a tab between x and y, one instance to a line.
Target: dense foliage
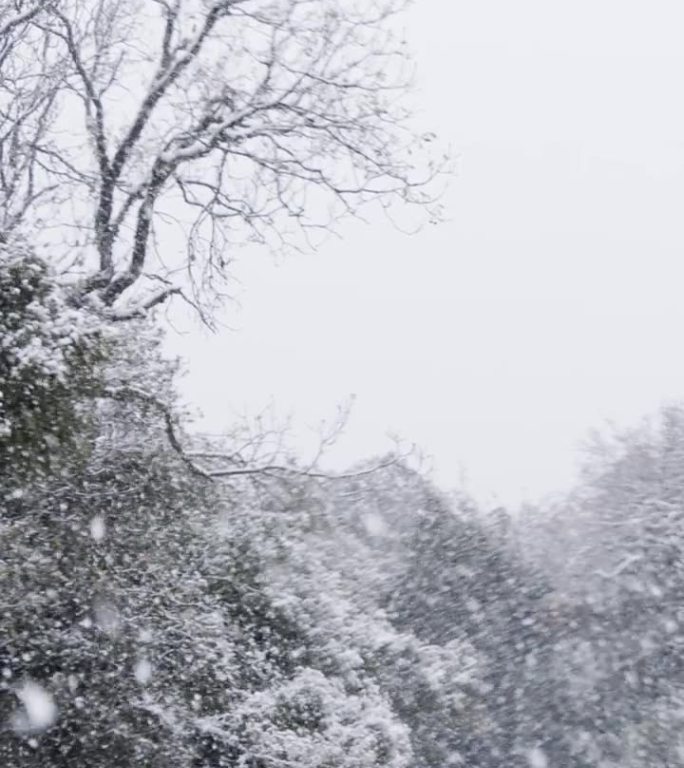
48	353
153	615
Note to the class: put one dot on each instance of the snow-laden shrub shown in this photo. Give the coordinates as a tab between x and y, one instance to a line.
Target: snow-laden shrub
312	720
48	354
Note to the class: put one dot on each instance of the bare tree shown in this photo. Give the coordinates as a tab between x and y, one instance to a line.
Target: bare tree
29	84
149	138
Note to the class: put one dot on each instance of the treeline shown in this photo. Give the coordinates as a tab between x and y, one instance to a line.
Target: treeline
160	610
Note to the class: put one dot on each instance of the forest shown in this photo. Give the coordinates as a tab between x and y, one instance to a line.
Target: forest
171	599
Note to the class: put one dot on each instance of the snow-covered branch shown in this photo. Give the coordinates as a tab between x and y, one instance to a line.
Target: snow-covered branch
233	463
245	121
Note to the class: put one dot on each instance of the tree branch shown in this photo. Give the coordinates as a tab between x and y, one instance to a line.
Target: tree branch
274	470
141	310
23	18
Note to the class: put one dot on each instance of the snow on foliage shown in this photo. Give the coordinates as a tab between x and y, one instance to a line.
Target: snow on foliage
311	719
48	350
38	327
153	617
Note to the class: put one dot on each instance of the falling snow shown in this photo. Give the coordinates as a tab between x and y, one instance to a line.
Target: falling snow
38	708
143	671
97	528
537	759
174	598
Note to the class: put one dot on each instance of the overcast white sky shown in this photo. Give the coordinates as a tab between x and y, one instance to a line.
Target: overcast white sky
551	300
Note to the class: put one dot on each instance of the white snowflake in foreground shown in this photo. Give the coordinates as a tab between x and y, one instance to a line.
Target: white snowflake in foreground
39	709
143	671
97	528
374	524
107	616
537	759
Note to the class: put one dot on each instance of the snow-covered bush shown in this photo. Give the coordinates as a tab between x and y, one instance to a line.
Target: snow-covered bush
312	720
48	359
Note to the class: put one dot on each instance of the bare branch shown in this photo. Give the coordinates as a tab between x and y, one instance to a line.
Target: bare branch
238	121
238	466
279	470
126	394
92	100
22	18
